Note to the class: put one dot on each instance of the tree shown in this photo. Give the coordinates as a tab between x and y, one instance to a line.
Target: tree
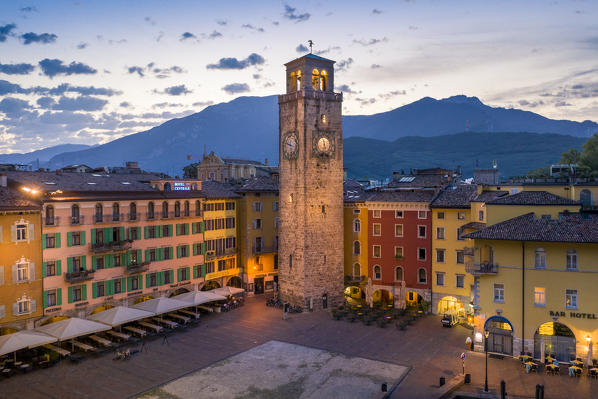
570	157
540	172
589	155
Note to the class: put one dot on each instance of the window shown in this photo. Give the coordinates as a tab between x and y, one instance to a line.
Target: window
460	280
461	215
118	286
398	230
398	273
134	259
115	212
356	226
116	258
50	241
230	223
167	253
133	233
460	233
24	306
101	289
77	293
377	273
186	209
50	268
421	231
153	280
75	215
184	274
499	292
377	229
258	206
49	215
132	211
23	271
150	210
539	296
439	278
571	259
422	214
276	223
177	209
51	298
376	214
356	248
164	210
540	258
399	252
21	232
230	206
165	230
440	215
257	224
571	299
422	276
440	255
440	233
460	257
376	251
100	262
99	213
76	238
152	255
356	211
481	216
399	214
134	283
421	253
198	208
275	206
356	270
183	251
167	279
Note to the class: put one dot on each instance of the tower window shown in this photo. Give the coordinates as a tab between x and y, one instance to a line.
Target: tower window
323	118
293	86
290	261
323	208
298	80
315	79
323	80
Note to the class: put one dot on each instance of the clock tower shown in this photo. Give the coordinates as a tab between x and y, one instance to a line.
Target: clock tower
311	186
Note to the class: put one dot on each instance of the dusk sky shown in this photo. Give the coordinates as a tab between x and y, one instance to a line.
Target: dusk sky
92	71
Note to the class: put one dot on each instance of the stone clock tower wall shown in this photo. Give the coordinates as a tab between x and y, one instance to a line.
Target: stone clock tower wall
311	185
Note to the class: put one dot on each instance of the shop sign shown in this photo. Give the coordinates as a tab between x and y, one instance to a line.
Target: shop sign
573	315
182	186
78	305
134	293
52	310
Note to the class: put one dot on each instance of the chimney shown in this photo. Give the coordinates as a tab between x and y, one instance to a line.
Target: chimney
3	179
395	175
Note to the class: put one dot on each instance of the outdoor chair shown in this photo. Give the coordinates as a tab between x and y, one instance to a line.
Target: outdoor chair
592	373
400	325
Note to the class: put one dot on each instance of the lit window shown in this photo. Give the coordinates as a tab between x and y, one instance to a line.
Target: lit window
539	296
461	215
499	292
571	299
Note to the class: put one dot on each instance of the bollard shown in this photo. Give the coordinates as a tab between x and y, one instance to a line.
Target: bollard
503	389
442	381
384	387
541	391
537	391
467	378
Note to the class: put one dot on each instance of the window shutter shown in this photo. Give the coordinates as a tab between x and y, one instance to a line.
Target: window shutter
123	259
146	232
69	264
160	253
194	249
44	266
169	230
2	311
14	273
193	228
178	252
138	232
179	271
57	239
13	233
171	275
58	296
178	229
94	263
44	236
123	284
94	290
15	309
195	271
107	234
109	287
139	256
70	295
83	238
45	299
84	292
186	228
203	247
187	249
31	271
1	275
31	232
58	267
147	256
83	258
122	233
93	235
160	278
109	260
159	232
188	274
140	283
69	239
33	305
147	280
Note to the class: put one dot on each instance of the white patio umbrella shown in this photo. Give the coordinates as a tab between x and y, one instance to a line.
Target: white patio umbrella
72	328
161	305
23	339
195	298
227	291
120	315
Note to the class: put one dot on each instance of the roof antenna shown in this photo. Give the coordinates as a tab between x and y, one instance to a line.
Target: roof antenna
311	44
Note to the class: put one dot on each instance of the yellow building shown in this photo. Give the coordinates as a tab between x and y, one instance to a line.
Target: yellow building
220	236
536	275
20	260
257	230
355	238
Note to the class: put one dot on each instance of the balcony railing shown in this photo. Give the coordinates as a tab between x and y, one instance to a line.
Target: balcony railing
52	221
481	268
77	220
81	275
116	217
263	249
224	273
354	279
217	254
468	251
137	267
112	246
134	217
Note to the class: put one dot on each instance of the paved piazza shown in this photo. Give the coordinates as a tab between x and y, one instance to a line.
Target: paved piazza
282	370
429	350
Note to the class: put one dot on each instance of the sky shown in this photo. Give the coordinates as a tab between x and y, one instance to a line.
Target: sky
89	72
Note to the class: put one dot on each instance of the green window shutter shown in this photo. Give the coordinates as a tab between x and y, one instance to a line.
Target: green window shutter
70	294
186	228
123	284
178	252
58	268
203	248
44	273
146	232
44	246
178	229
203	270
84	292
179	272
129	284
139	256
59	296
93	235
94	262
122	233
188	274
203	226
69	239
195	271
94	290
147	280
69	264
107	234
83	259
194	249
169	230
83	238
171	275
193	226
160	253
140	283
123	259
138	231
159	233
108	261
188	250
147	257
57	239
45	299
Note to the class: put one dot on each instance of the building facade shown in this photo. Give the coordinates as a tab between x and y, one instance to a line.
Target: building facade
212	167
355	240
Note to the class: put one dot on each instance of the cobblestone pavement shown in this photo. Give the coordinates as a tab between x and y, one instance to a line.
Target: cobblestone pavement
430	350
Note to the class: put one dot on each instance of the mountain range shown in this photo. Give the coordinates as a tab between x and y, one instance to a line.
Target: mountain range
247	127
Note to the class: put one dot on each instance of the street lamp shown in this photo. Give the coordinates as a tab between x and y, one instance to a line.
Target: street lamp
486	335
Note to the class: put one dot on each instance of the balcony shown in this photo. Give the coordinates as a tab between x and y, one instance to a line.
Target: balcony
51	221
81	275
224	273
218	254
263	249
354	279
137	268
114	246
133	217
468	251
77	220
482	268
115	217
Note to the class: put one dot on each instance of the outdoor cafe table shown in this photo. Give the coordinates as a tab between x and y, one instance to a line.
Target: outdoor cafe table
190	313
83	346
118	334
60	351
525	358
138	331
100	340
577	363
573	370
170	324
182	318
151	326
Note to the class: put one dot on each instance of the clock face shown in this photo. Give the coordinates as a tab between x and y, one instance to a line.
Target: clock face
323	145
290	146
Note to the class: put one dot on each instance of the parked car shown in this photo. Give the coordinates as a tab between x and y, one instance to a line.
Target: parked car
449	319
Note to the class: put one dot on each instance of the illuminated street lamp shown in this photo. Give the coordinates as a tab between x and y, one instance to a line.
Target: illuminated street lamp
486	335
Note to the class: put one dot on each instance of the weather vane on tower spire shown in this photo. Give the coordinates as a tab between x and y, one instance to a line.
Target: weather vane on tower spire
311	44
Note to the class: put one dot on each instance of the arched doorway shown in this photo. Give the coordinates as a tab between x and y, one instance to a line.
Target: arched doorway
413	299
500	337
558	340
382	298
210	285
450	304
178	291
235	281
354	295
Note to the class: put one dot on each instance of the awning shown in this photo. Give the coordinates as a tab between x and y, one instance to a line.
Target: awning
120	315
226	291
72	328
23	339
161	305
194	298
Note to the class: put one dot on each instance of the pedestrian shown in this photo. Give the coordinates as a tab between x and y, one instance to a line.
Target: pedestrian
468	343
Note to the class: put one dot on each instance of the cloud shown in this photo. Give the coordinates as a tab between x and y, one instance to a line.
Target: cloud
125	104
167	105
82	45
370	42
66	118
150	21
376	11
222	22
28	9
6	30
214	35
301	48
375	66
391	94
251	27
53	67
256	76
365	101
530	104
81	103
413	27
13	107
84	90
289	13
16	69
562	104
187	35
203	103
345	89
174	90
235	88
136	69
159	73
43	38
9	88
344	64
327	50
46	102
234	63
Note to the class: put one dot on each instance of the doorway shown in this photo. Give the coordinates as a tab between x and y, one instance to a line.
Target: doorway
259	285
